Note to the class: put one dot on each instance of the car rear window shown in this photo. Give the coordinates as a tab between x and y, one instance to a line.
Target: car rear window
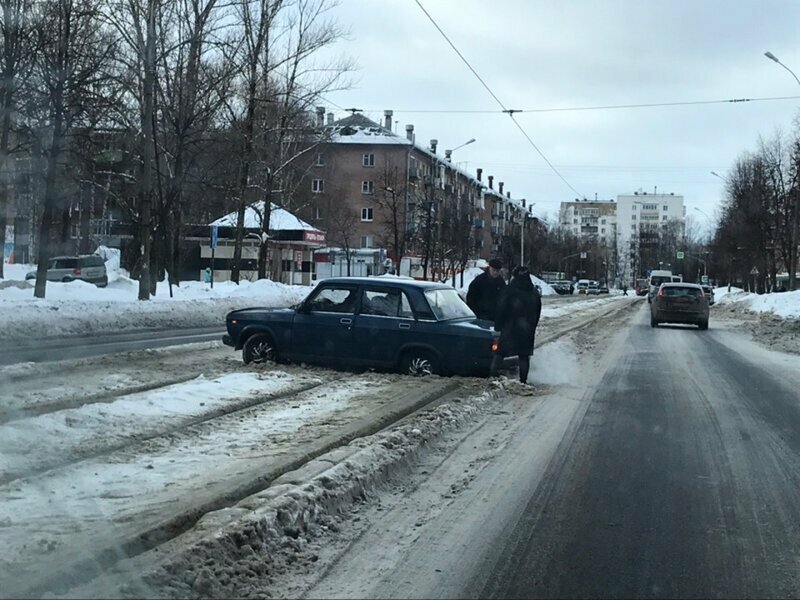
658	280
682	292
92	261
64	263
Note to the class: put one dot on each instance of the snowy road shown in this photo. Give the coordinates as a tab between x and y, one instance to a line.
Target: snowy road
110	456
667	466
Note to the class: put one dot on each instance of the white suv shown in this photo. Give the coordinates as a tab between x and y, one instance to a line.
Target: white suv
89	267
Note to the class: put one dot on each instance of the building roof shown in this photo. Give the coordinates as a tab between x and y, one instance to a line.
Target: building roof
280	219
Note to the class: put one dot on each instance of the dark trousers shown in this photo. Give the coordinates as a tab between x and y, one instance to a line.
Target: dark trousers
524	367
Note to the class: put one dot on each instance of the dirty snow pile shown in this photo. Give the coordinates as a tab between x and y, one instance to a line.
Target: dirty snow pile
785	305
82	308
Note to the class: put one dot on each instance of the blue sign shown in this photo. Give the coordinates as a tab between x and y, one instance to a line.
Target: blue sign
214	235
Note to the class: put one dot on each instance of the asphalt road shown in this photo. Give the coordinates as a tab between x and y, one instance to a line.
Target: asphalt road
52	349
674	475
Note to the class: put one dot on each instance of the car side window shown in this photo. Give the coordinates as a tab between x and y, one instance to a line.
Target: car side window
406	312
333	299
383	303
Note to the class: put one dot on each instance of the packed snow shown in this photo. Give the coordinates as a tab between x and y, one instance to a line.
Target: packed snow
471	273
785	304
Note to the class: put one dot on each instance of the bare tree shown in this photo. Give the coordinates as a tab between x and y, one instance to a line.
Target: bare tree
343	224
68	72
15	61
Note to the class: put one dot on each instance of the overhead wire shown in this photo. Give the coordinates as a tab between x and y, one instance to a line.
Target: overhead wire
589	108
510	112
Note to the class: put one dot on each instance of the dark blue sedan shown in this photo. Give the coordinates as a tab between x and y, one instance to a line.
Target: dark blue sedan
417	327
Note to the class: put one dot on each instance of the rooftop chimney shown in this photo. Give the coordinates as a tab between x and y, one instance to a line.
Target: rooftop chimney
434	143
410	133
330	118
480	174
448	155
491	181
387	119
508	195
523	203
320	116
500	185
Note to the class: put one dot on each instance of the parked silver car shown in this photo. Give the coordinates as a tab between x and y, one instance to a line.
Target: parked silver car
90	268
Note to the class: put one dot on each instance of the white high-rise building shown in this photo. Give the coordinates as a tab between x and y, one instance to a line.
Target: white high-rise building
594	219
642	216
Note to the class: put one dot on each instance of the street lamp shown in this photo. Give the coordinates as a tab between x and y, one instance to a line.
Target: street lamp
793	258
774	58
467	143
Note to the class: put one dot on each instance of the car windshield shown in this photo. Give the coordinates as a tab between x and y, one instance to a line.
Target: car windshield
447	304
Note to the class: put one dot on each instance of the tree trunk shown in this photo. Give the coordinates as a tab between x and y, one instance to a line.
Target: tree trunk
265	219
145	183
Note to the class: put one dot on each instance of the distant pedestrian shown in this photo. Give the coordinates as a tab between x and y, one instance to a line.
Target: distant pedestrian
624	290
484	292
517	318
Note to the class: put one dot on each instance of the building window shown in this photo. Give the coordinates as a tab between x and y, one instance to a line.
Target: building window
603	221
317	213
603	230
633	217
366	215
366	241
633	207
320	160
665	218
666	207
368	160
317	186
633	227
574	221
367	187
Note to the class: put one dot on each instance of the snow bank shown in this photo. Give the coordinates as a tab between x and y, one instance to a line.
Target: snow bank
82	308
785	305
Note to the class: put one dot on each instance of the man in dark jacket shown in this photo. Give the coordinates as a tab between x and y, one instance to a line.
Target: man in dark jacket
485	290
517	318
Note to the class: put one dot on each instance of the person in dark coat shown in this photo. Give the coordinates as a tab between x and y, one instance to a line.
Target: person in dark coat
517	318
485	290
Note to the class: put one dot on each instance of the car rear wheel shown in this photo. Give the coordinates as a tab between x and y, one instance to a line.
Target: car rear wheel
703	326
259	349
653	322
419	363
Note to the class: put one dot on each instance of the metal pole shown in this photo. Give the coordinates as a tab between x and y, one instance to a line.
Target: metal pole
213	251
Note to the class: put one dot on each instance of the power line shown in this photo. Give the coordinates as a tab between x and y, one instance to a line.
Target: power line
587	108
510	112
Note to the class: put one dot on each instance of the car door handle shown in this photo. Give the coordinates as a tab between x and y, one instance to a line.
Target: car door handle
346	321
405	325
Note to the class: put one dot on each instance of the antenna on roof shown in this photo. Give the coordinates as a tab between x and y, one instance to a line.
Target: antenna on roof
353	111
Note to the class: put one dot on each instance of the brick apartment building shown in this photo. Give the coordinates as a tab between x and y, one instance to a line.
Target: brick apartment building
367	188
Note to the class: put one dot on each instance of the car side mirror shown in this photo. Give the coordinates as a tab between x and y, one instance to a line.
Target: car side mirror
302	308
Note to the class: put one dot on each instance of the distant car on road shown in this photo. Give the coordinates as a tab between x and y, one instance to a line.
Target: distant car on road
89	267
593	289
603	289
563	287
642	287
679	303
583	286
420	328
656	279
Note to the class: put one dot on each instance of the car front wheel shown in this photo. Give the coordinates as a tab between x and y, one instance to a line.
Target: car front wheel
419	363
703	326
653	322
259	349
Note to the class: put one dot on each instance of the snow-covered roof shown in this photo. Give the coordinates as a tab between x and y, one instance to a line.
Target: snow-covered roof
358	129
280	219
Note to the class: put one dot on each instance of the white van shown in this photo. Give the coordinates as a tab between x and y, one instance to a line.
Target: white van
656	279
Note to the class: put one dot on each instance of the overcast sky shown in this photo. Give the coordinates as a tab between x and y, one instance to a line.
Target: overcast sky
538	54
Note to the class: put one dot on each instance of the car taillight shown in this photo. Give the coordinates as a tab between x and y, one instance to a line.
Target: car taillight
660	293
76	271
495	346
